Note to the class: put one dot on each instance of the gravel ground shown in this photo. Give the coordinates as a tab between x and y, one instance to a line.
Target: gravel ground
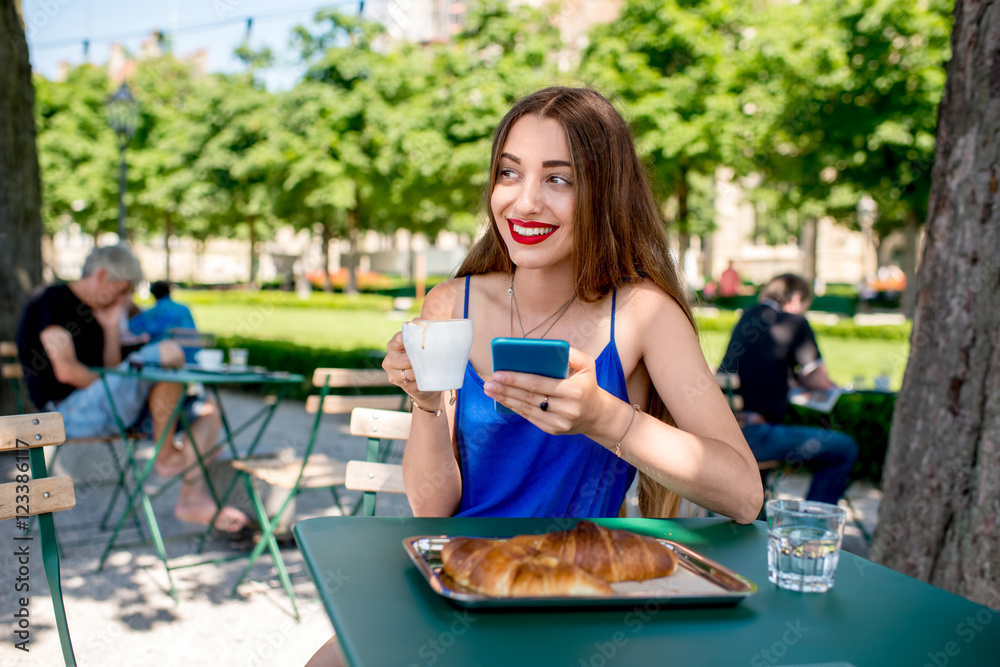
125	615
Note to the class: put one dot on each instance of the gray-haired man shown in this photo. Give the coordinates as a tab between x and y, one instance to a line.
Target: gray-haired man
67	329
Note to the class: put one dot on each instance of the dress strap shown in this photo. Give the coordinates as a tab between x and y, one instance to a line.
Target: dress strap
614	298
465	313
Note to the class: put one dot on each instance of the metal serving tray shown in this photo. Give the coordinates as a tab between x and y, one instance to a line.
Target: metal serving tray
697	581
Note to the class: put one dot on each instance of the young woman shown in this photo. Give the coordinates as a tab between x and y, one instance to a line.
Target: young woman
576	251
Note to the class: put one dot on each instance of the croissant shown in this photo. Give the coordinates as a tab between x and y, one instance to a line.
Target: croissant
503	569
612	555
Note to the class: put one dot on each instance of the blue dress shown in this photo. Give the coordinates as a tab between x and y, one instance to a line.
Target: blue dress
511	468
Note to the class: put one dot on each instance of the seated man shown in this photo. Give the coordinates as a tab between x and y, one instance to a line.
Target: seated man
67	329
772	341
165	315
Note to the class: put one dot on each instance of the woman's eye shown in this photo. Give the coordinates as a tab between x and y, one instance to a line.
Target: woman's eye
506	173
560	180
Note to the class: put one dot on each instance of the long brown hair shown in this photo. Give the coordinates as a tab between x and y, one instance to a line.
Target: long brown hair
615	218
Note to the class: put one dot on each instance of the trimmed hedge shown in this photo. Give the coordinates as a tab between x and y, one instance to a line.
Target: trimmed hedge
866	417
845	328
303	360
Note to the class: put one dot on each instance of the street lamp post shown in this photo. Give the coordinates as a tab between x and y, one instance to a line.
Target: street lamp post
123	117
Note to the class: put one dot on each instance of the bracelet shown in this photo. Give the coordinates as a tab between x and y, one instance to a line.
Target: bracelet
618	445
436	413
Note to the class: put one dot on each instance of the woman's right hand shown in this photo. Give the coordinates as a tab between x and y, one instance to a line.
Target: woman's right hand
400	371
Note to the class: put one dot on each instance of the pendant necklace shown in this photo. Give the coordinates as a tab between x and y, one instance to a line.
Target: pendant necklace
559	312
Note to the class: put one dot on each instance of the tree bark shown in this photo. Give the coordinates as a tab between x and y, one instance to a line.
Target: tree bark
20	187
938	520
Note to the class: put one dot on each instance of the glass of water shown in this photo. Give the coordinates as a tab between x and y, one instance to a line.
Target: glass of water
238	358
803	544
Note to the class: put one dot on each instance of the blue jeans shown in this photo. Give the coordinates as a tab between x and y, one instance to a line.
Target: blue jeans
829	454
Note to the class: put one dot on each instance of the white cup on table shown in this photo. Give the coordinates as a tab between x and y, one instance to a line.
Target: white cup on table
439	351
209	359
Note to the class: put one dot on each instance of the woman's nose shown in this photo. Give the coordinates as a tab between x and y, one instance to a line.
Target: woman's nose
527	199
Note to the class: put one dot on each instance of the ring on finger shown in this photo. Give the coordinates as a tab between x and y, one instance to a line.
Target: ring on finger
402	374
544	405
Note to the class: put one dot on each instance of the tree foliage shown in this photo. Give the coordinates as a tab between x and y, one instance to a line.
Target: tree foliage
819	102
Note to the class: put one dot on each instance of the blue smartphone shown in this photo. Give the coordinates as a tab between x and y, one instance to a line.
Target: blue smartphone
530	355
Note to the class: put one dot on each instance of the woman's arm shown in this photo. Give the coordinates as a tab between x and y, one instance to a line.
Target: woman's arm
430	464
704	459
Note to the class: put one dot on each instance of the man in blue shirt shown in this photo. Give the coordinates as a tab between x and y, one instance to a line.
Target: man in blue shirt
165	315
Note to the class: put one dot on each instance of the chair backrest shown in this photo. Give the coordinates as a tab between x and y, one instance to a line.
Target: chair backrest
26	435
374	475
191	337
351	378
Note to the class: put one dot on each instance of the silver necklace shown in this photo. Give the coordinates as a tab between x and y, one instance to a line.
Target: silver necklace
559	312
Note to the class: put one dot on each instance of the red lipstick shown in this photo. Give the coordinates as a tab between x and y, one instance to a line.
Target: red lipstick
529	240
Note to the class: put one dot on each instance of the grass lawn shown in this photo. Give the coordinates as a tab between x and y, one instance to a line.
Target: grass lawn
845	358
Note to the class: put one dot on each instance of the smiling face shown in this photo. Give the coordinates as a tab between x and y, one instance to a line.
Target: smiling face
534	196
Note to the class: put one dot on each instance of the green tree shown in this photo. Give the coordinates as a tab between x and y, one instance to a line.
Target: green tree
238	166
78	157
669	63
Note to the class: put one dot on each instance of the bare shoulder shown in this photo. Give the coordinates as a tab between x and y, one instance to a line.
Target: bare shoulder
444	301
647	303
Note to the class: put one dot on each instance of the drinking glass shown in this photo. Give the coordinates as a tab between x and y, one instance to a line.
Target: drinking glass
803	544
238	358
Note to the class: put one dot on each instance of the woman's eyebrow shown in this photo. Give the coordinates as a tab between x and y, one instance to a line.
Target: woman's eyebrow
547	163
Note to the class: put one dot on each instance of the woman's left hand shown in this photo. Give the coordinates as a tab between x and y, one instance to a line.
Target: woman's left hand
554	405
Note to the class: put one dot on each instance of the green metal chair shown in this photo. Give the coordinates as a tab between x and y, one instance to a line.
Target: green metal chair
313	471
34	493
11	370
373	475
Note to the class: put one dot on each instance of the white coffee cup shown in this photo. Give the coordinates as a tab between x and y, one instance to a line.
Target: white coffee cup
209	359
438	351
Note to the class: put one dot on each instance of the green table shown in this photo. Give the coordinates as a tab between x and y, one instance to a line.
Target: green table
186	377
385	613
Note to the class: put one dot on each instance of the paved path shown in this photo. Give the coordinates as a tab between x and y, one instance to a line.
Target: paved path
125	615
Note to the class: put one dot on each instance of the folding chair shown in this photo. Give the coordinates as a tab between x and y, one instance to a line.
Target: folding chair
37	494
311	471
372	476
12	371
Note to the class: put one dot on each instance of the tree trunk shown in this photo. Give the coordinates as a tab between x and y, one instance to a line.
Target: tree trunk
683	228
810	230
167	231
351	287
20	188
327	239
353	220
938	520
911	232
253	250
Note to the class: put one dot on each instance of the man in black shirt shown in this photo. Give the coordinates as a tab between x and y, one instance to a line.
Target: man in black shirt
771	343
67	329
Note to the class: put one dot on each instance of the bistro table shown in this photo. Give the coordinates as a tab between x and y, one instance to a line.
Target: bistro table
186	377
385	613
